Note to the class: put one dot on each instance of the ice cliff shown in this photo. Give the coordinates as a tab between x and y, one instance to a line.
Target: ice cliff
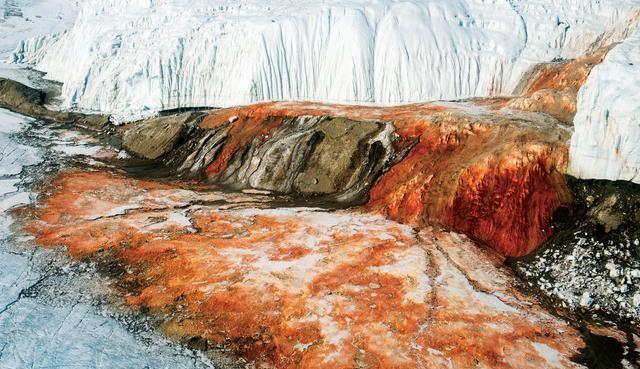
606	142
136	56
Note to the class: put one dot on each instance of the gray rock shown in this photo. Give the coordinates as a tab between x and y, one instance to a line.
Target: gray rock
153	138
22	99
607	214
14	95
334	159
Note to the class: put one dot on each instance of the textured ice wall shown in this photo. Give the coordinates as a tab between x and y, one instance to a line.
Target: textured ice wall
606	142
22	19
142	55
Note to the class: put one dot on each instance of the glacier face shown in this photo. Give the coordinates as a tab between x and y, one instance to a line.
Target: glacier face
606	142
26	19
128	57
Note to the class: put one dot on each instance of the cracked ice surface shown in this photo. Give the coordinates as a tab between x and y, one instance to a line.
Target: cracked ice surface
50	313
49	320
131	57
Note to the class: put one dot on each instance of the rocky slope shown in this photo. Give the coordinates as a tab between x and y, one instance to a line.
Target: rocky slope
133	57
592	263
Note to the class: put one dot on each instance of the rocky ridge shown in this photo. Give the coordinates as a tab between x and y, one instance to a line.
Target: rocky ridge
480	167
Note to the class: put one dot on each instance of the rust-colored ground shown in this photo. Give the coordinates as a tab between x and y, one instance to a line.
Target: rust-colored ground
301	288
493	175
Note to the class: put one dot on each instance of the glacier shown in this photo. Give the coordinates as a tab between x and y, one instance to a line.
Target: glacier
23	19
135	57
606	142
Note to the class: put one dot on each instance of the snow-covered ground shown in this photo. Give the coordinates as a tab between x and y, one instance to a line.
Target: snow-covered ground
606	142
136	56
51	314
24	19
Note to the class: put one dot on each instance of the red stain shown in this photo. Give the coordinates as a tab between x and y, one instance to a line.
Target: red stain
366	299
497	180
252	124
499	185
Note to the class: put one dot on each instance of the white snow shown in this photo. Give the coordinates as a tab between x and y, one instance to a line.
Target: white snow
553	357
606	142
25	19
36	335
13	155
136	56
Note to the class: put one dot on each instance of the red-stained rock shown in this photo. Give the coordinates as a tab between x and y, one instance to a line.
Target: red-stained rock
495	175
302	288
500	184
254	124
484	167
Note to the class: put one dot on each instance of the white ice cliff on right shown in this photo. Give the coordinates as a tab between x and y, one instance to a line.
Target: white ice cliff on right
606	142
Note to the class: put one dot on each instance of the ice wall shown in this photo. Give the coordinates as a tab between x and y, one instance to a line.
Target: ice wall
134	56
606	142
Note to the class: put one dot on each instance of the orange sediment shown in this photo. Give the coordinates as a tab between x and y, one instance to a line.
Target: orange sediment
301	288
494	176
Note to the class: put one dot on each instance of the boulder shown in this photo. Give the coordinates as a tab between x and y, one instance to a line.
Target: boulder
20	98
155	137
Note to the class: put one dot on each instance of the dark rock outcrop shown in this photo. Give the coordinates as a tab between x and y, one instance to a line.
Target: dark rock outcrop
310	156
22	99
155	137
336	159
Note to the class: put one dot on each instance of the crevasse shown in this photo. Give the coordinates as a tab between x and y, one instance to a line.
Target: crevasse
137	56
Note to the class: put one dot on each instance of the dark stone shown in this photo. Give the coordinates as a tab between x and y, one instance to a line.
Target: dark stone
22	99
154	138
